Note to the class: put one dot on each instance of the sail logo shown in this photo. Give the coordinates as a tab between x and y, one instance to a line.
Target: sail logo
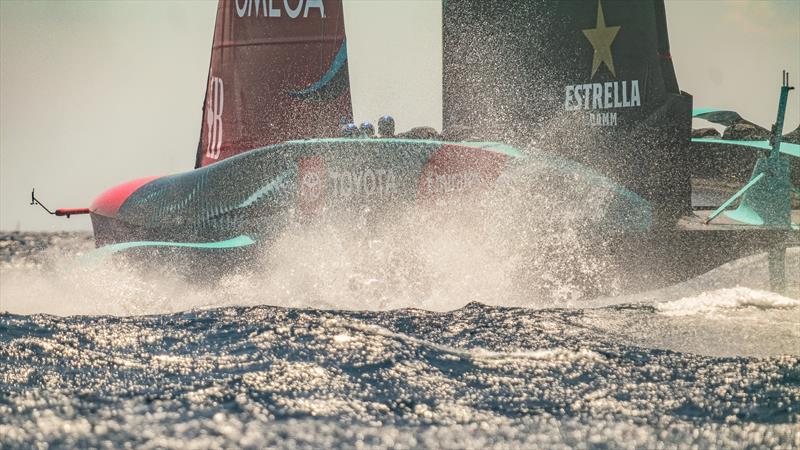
312	185
311	176
214	105
445	183
611	94
317	184
602	96
601	37
363	183
272	8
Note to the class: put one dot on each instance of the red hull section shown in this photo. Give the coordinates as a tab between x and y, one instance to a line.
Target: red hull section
108	203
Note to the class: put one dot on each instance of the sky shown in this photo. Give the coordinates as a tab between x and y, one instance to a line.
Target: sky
93	94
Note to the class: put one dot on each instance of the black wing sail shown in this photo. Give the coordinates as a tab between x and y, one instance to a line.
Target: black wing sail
589	80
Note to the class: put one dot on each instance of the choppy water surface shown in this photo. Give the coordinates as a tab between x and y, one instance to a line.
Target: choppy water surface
714	362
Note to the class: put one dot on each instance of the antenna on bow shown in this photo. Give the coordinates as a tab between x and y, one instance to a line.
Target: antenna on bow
35	201
67	212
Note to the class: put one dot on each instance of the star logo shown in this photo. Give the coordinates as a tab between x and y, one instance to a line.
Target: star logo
601	38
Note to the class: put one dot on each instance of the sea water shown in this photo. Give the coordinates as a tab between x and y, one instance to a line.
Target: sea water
336	351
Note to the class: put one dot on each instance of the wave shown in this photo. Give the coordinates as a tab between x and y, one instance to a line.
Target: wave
726	299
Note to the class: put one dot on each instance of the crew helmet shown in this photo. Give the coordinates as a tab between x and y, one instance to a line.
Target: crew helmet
386	126
367	129
349	130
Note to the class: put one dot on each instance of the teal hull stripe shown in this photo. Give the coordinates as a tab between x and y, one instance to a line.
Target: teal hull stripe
495	147
239	241
786	148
